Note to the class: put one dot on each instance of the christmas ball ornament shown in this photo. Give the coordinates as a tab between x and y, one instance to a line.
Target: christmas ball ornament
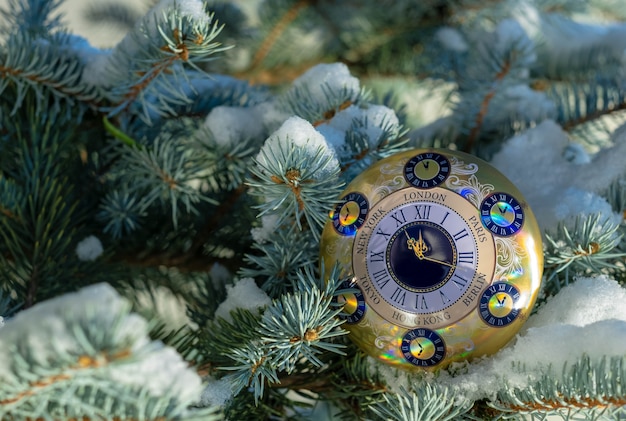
441	256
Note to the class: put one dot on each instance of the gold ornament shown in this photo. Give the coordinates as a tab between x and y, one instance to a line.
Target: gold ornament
443	253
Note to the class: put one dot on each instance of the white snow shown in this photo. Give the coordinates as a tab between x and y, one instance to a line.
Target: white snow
510	33
231	125
216	392
451	39
162	303
269	225
520	101
98	307
162	372
244	294
576	202
588	300
556	188
194	9
89	249
568	327
324	79
299	133
576	154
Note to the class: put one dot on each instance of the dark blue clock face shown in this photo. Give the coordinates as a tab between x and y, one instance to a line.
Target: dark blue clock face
426	170
353	302
423	347
422	256
499	305
502	214
349	214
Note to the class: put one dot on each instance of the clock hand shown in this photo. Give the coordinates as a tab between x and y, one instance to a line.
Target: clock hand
502	210
441	262
421	349
418	246
501	302
346	214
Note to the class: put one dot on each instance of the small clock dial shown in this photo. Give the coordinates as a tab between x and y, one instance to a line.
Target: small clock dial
353	303
423	347
499	304
502	214
350	213
426	170
425	261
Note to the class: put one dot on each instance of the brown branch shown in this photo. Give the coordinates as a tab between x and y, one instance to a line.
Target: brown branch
573	123
83	362
179	53
138	87
6	212
33	284
484	107
269	41
51	84
570	402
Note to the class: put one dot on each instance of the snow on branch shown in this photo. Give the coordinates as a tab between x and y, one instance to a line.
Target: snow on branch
85	354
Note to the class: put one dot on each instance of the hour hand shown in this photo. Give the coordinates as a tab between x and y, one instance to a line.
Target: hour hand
418	246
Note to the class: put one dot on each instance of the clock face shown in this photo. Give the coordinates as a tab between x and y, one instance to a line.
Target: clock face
427	170
499	304
423	347
352	302
426	259
502	214
349	214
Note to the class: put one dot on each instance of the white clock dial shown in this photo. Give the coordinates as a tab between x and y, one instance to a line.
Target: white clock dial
424	257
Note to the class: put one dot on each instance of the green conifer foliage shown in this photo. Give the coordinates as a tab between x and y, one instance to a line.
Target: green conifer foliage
162	200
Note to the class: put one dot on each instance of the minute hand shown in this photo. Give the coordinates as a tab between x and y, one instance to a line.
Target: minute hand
441	262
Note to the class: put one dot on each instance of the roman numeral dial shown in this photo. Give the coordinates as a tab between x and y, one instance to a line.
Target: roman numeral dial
424	257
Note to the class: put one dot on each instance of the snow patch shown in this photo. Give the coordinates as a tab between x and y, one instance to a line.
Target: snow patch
299	133
244	294
89	249
216	392
568	327
323	79
557	188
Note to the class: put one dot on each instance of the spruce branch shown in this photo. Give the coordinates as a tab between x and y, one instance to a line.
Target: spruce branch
300	325
42	207
616	196
165	171
590	244
589	107
97	342
30	65
298	184
121	214
300	101
366	142
503	67
293	330
277	30
36	17
423	403
153	58
279	261
589	389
